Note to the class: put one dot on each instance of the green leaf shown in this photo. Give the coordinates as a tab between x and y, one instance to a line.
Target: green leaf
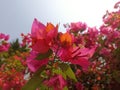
15	45
63	66
34	82
59	71
68	71
43	87
116	53
70	74
44	55
65	88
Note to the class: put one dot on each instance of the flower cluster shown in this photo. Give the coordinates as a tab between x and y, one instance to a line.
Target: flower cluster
82	58
4	45
12	64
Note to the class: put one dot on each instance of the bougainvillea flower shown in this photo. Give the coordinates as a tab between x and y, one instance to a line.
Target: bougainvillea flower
34	64
4	47
6	86
38	30
26	40
113	35
105	51
66	39
78	26
77	56
40	46
42	36
79	86
81	57
93	33
112	19
57	82
3	36
105	30
11	79
51	30
117	5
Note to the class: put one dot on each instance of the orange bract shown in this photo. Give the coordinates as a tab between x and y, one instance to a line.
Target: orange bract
66	39
49	27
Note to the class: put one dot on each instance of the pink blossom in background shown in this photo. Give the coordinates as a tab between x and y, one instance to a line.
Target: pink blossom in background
4	37
79	86
4	45
117	5
105	51
93	33
78	26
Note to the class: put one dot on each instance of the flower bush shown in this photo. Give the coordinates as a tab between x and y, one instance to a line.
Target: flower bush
82	58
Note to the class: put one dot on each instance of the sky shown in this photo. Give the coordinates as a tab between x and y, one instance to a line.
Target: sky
16	16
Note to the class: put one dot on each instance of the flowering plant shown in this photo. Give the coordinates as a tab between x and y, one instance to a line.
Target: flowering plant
82	58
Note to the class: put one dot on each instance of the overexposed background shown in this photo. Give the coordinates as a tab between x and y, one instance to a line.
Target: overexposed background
16	16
